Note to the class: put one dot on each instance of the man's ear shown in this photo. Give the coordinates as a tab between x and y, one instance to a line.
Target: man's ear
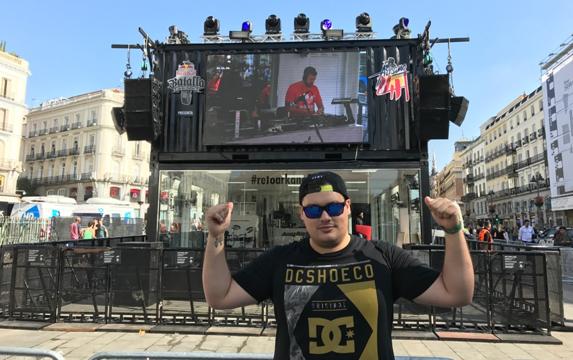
300	213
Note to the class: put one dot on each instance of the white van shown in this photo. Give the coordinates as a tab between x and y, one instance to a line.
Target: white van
43	207
105	208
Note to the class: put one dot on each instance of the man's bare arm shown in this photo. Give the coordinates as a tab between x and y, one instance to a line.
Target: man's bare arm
455	285
221	291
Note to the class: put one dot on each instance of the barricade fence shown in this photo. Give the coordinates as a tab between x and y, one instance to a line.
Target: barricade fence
126	280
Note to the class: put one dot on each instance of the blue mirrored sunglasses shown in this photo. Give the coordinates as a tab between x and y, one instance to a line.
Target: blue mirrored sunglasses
315	211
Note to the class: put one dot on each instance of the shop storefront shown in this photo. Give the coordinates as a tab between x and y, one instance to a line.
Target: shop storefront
266	208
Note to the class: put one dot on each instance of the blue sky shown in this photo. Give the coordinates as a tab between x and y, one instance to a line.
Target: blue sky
68	43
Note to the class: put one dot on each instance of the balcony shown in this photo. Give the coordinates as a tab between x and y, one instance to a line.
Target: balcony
541	132
509	149
51	154
469	197
65	127
92	122
54	129
479	176
76	125
62	152
517	144
469	179
118	151
74	151
30	157
86	176
533	136
525	140
32	133
89	149
40	156
42	132
538	157
7	127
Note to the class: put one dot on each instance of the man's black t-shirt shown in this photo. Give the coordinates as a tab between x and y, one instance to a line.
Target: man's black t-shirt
337	305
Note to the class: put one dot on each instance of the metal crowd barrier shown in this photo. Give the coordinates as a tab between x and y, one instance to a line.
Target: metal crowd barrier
138	282
29	352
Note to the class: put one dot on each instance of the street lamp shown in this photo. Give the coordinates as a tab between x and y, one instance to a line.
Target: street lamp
538	201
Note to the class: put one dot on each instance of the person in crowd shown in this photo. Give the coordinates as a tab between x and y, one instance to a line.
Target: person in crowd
89	232
485	238
75	228
334	292
561	237
101	229
526	233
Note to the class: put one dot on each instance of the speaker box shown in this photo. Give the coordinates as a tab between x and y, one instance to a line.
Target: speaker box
142	109
434	107
458	110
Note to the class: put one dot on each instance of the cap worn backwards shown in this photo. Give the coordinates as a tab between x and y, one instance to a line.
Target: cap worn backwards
320	182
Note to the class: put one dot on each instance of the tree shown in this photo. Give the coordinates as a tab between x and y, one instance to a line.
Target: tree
25	186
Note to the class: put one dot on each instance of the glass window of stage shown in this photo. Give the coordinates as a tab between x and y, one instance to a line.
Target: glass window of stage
266	209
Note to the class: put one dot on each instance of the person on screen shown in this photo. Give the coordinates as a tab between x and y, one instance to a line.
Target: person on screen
302	97
333	292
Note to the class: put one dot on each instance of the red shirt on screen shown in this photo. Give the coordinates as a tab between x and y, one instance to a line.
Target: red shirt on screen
300	96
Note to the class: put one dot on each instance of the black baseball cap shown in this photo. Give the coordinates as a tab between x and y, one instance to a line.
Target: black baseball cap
322	181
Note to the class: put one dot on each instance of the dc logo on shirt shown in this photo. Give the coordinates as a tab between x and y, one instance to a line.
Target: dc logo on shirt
333	336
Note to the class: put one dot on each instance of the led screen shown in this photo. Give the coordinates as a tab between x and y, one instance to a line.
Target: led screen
287	98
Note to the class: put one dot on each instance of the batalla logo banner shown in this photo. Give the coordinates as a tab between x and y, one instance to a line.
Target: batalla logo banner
391	79
186	82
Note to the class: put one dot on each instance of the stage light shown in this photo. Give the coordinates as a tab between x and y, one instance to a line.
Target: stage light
328	33
244	34
401	30
247	26
273	25
211	26
325	24
363	23
301	24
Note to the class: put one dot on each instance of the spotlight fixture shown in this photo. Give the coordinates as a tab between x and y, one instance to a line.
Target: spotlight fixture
244	34
328	33
363	23
211	26
247	26
273	25
301	24
325	24
401	30
176	36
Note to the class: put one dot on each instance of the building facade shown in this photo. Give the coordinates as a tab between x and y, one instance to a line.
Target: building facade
557	82
71	148
14	73
474	182
511	154
449	181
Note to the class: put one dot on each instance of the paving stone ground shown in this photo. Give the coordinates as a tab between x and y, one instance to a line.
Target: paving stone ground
77	344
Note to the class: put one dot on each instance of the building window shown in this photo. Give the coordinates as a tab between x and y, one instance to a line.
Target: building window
532	109
63	192
51	192
4	87
3	118
88	192
114	192
74	193
540	105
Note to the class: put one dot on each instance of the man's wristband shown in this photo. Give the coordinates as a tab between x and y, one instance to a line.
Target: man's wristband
456	229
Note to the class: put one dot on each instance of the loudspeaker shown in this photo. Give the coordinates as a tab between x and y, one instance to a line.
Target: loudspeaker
118	119
434	107
142	109
458	110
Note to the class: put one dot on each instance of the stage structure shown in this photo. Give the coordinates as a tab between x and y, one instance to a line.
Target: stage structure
244	118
